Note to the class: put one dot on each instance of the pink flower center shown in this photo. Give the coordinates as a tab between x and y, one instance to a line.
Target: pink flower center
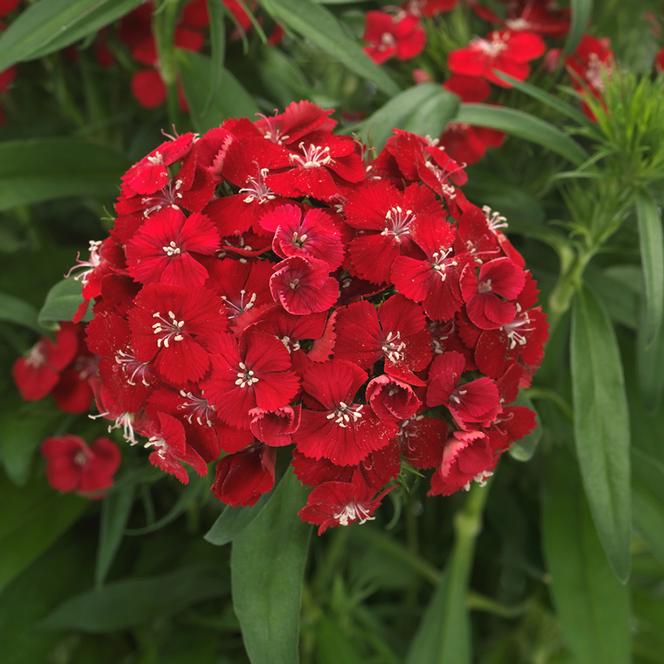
245	376
397	222
457	396
344	414
80	458
240	306
290	344
167	330
494	219
481	479
156	159
159	444
484	286
132	367
440	261
256	188
313	156
519	23
596	72
198	408
353	512
515	329
82	269
169	195
493	47
172	249
393	347
125	421
299	239
36	356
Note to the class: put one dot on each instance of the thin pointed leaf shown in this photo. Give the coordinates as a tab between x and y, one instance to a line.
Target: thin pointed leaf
523	125
267	570
320	27
49	25
233	520
115	511
648	496
229	99
546	98
423	109
601	427
581	11
217	51
592	605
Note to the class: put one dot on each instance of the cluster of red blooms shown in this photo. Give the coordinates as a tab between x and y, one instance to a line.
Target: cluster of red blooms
264	286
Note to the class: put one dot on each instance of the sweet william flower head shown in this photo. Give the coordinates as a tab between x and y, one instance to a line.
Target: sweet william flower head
272	284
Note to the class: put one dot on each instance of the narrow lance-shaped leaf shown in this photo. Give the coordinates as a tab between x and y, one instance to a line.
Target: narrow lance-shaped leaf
523	125
218	51
601	427
43	169
13	310
50	25
267	570
233	520
592	605
315	23
61	302
423	109
581	11
115	512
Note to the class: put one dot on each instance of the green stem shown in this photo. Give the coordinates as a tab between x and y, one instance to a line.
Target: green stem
568	283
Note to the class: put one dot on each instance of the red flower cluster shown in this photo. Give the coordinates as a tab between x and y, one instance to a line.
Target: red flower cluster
266	286
61	367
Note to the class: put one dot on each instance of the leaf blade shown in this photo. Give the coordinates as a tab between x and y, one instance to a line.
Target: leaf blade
581	11
601	427
523	125
317	24
267	569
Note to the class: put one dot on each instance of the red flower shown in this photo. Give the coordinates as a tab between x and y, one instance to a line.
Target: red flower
298	121
659	60
421	439
429	7
467	457
473	403
503	50
303	286
38	372
170	449
395	331
73	466
312	235
590	65
165	247
335	427
8	6
242	478
277	428
341	503
171	327
388	36
487	295
148	88
256	372
433	281
388	219
541	16
391	399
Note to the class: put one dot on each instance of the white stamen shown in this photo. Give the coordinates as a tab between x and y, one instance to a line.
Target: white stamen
353	512
344	413
313	156
397	222
170	330
393	347
256	189
172	249
245	377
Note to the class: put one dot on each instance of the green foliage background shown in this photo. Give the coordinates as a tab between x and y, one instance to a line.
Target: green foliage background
560	559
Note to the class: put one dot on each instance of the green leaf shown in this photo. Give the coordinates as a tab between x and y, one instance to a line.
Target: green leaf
581	11
50	25
217	51
13	310
233	520
267	570
61	302
648	497
652	262
38	516
444	632
23	426
523	125
43	169
115	511
132	602
229	99
546	98
423	109
320	27
592	605
601	427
